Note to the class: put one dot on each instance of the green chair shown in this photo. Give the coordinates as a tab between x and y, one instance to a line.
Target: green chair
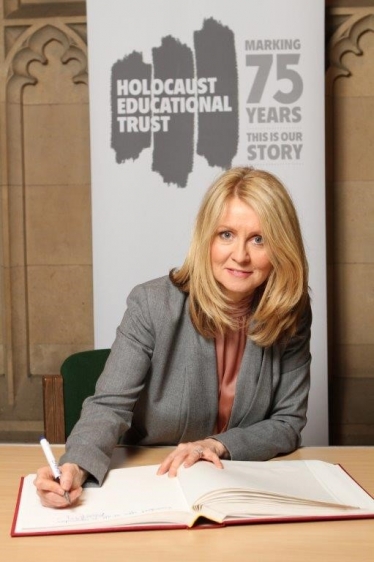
64	394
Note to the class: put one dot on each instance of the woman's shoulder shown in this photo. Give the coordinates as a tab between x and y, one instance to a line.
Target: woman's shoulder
159	285
159	292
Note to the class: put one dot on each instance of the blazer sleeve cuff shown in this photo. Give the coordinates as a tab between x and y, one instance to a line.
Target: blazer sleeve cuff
96	465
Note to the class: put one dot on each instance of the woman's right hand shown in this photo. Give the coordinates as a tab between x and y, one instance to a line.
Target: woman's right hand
52	493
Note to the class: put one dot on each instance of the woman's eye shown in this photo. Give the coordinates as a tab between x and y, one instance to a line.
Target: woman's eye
258	239
226	235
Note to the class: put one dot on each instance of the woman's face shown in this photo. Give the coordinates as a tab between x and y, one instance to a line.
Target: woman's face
239	259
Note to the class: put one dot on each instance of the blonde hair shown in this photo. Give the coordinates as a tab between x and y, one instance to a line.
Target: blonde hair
279	303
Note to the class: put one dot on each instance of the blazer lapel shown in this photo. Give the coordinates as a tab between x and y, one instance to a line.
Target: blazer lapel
248	383
201	373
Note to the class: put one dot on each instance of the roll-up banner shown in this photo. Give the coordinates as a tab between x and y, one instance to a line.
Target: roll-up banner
180	91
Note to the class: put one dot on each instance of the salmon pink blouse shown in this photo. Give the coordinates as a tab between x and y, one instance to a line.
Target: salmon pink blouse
229	353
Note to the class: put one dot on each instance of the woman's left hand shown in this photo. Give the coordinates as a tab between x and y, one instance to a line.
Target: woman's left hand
188	453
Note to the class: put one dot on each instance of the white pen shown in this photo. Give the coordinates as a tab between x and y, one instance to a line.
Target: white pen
52	463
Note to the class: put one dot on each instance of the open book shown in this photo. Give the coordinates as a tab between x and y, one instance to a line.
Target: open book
243	492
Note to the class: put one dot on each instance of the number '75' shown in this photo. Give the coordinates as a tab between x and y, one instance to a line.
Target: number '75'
264	63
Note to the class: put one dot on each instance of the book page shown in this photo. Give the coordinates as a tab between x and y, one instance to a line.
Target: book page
128	496
340	485
292	482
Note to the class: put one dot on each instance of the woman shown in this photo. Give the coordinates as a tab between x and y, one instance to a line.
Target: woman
214	357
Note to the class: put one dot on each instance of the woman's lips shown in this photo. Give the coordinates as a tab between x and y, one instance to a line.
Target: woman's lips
238	273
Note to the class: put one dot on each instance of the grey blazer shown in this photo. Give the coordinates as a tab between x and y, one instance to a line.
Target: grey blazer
160	387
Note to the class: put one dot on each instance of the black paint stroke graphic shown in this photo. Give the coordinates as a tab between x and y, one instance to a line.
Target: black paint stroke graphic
218	133
173	150
129	145
138	88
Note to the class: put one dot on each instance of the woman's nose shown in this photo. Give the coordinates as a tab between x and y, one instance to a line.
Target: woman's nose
240	252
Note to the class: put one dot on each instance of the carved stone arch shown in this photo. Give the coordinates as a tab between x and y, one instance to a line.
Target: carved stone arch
346	40
29	47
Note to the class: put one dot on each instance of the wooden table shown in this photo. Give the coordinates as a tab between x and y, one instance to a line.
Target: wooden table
350	541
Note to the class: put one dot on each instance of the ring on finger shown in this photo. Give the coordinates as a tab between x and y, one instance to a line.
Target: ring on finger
199	451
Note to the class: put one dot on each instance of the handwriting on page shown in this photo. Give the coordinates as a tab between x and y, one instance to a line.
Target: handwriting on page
76	518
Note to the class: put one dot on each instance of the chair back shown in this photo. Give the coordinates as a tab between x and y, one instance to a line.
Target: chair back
80	372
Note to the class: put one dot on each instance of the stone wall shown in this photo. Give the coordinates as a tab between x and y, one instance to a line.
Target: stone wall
350	220
46	262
